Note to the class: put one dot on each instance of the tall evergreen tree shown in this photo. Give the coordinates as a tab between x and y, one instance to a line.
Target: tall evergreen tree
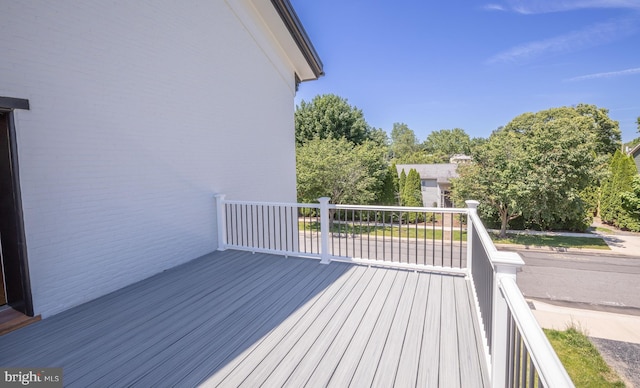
412	194
631	202
388	195
401	183
622	171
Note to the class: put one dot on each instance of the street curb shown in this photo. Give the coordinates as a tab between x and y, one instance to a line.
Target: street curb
536	248
600	324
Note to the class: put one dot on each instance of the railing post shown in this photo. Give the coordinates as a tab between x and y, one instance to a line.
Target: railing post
473	208
505	264
221	219
324	230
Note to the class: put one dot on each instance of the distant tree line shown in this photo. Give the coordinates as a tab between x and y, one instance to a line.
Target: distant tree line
554	169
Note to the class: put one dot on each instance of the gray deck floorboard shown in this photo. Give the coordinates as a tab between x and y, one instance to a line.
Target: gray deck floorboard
239	319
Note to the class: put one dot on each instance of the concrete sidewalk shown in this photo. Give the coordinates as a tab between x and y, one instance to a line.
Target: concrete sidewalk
627	244
623	244
618	327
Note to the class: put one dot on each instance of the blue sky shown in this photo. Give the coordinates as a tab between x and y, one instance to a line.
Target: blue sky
475	65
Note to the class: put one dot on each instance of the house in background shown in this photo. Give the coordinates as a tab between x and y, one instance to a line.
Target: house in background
460	159
119	122
435	182
635	154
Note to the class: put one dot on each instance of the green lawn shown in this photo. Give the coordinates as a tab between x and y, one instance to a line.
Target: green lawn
387	231
604	230
581	359
551	241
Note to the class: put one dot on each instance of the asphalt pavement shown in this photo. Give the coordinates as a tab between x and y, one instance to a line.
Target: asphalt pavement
624	357
582	279
596	290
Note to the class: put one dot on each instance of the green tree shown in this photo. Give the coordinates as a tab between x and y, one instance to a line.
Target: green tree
631	202
401	183
379	136
338	169
537	167
622	172
330	116
475	143
606	131
601	133
560	165
412	194
390	187
418	157
446	143
495	178
403	141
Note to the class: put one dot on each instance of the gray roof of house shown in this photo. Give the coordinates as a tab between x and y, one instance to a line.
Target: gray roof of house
442	172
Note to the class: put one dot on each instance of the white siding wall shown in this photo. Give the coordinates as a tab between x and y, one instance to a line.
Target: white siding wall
430	193
140	112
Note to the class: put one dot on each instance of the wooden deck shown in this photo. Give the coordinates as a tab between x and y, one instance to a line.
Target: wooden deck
239	319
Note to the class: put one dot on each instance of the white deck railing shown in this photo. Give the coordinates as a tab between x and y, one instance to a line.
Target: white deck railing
430	239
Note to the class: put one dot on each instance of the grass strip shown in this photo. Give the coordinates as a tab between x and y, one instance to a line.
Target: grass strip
581	359
552	241
409	231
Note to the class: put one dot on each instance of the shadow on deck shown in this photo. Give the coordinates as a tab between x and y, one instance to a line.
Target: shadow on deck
234	318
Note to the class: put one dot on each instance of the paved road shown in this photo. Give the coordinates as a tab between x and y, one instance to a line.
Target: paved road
584	280
446	253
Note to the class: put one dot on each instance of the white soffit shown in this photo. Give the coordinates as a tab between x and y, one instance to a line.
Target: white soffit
263	22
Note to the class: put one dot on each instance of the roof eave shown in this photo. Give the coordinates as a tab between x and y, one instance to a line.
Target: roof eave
299	35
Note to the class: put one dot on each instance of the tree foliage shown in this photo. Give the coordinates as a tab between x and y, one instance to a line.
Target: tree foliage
631	201
560	165
390	188
598	131
338	169
606	131
403	142
445	143
331	117
379	136
536	168
618	193
419	157
401	183
495	178
412	193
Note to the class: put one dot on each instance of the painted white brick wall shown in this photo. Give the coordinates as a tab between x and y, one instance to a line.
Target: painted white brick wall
140	112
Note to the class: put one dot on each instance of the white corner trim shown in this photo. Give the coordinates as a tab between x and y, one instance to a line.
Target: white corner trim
261	32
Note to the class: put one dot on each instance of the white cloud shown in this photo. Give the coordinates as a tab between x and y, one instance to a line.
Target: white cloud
548	6
610	74
494	7
593	35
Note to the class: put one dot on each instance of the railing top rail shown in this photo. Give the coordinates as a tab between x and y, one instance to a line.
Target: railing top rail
484	235
401	208
549	367
288	204
355	207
